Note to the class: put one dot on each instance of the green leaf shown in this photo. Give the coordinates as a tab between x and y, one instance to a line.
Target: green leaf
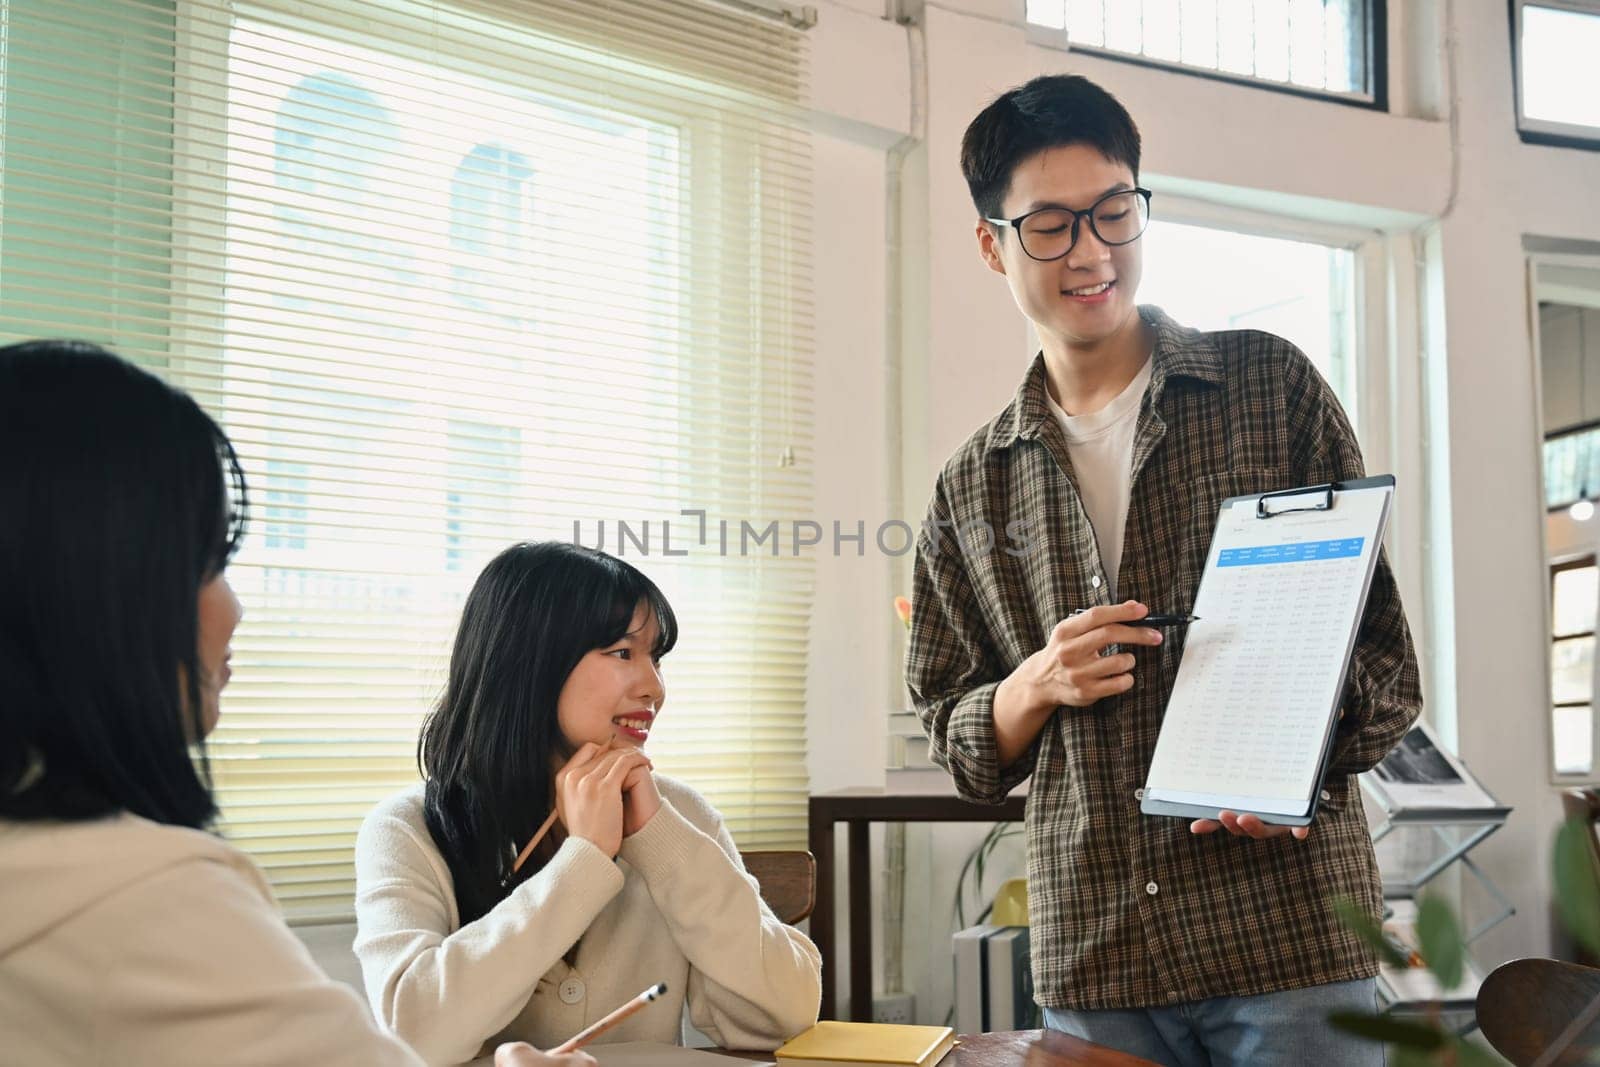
1400	1032
1361	924
1577	889
1440	937
1411	1057
1469	1054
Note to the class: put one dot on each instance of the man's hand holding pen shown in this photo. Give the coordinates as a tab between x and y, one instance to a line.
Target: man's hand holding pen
1071	668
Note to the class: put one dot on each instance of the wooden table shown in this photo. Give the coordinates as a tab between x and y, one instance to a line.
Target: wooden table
1015	1048
859	809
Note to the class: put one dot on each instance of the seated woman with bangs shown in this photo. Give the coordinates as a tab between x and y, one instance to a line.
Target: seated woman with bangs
554	686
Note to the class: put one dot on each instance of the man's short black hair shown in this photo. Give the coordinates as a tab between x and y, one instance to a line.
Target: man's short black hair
1049	112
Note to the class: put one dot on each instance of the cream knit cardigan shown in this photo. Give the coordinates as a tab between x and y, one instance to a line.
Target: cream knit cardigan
125	942
676	906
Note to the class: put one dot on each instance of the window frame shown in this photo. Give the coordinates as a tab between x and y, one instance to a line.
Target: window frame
1375	99
1543	131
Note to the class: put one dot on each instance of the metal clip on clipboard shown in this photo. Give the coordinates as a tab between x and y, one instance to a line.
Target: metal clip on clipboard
1263	511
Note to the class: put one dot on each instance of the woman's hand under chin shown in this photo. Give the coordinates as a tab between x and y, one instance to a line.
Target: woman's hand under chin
640	800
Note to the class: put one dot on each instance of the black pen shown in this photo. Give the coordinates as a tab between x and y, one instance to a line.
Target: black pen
1164	620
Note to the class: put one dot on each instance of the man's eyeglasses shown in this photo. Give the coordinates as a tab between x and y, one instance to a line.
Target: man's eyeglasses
1051	232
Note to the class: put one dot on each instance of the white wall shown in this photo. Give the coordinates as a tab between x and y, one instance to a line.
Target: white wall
1472	422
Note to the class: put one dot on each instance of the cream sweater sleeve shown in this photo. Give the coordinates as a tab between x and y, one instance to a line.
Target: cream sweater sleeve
754	982
218	979
444	990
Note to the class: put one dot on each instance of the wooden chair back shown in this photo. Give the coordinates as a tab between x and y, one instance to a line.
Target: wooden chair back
1525	1005
788	881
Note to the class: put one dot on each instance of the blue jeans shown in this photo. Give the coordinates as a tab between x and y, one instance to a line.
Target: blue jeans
1289	1028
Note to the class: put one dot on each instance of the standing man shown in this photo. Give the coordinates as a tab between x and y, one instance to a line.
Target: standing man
1212	942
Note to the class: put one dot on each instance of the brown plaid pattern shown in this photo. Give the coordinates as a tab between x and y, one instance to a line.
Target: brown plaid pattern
1130	910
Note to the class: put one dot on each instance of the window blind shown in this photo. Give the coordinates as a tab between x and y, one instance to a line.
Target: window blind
451	275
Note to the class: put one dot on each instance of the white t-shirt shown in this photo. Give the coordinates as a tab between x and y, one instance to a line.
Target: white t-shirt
1100	446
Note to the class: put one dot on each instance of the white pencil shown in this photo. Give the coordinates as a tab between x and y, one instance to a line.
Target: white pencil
583	1037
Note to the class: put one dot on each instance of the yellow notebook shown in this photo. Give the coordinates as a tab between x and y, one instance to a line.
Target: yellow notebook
834	1044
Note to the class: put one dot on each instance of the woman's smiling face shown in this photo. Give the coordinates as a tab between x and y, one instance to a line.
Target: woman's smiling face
615	693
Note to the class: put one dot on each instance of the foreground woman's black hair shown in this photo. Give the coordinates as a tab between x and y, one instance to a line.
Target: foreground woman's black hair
119	499
486	750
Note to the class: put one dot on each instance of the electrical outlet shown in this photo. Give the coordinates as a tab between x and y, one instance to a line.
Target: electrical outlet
894	1008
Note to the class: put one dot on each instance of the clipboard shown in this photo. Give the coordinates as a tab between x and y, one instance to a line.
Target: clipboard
1251	721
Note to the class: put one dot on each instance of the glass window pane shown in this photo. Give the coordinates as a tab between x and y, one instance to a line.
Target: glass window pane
1199	32
1272	40
1050	13
1124	28
1163	30
1560	80
1571	467
1345	42
1308	27
1573	598
1571	670
1236	52
1572	731
1086	22
1221	280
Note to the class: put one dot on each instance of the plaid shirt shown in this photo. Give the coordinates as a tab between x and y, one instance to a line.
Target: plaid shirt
1130	910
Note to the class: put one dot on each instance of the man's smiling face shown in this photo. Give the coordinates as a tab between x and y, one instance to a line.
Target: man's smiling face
1086	296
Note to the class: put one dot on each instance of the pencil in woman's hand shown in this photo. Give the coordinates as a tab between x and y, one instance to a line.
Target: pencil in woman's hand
584	1036
538	835
544	828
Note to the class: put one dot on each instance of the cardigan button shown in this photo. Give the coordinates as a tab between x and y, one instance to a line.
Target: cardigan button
571	991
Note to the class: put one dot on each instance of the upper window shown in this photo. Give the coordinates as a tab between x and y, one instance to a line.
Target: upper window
1558	83
1327	48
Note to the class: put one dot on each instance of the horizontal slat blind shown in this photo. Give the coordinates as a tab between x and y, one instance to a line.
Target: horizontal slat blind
452	275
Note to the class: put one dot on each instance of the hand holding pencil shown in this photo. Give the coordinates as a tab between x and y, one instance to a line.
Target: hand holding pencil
522	1054
589	797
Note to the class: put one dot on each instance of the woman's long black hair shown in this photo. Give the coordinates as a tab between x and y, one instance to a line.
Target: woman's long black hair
486	750
119	499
